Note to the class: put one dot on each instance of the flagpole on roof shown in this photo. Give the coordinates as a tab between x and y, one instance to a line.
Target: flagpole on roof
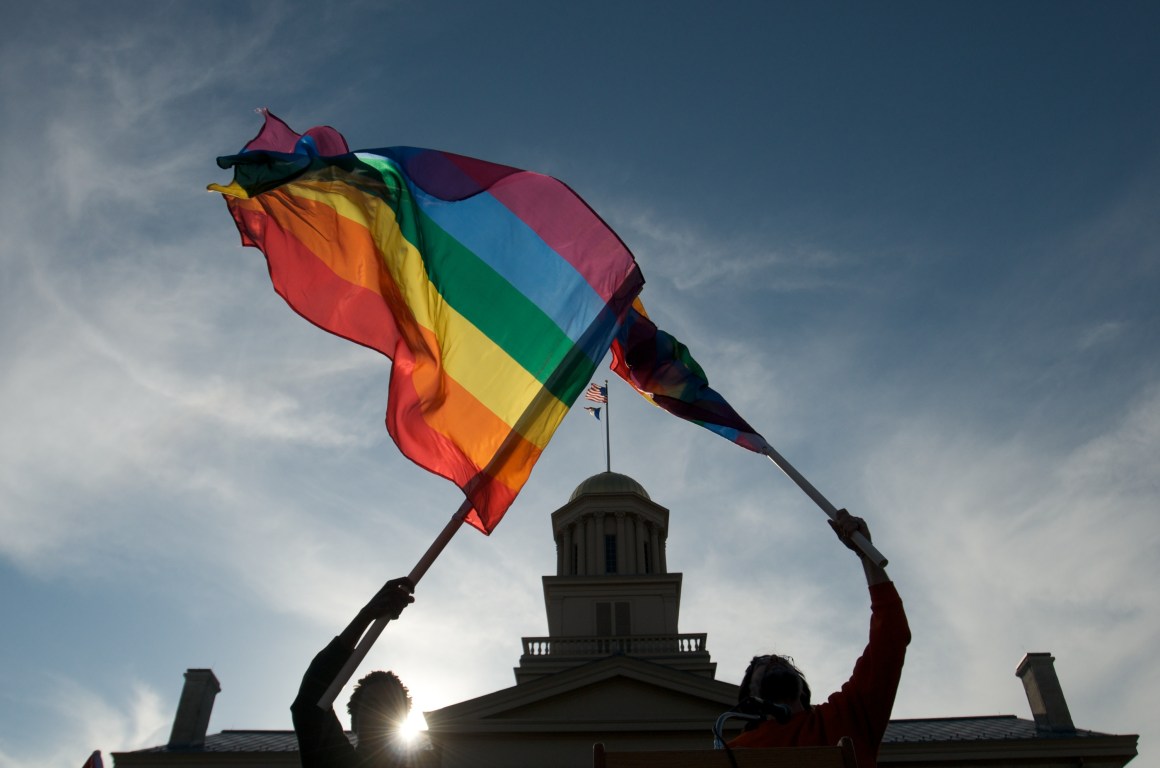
607	429
376	629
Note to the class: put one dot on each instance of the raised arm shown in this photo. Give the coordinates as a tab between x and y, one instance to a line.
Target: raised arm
387	603
846	525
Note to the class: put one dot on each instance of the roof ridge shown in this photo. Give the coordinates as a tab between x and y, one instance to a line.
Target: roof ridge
952	717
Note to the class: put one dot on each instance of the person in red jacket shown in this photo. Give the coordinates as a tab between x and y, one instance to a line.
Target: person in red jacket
861	709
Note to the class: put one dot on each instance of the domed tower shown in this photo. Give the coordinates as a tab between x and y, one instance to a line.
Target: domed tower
612	593
610	527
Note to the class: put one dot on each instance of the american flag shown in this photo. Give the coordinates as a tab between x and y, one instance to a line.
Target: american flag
596	393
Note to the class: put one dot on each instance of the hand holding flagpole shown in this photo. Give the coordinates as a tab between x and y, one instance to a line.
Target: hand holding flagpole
376	629
661	369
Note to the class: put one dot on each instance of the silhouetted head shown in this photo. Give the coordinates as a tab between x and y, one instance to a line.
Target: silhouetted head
775	679
378	707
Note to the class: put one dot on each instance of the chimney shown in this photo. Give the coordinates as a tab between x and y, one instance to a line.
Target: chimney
1044	693
192	720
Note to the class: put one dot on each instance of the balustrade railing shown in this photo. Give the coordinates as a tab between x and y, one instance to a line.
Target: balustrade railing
630	645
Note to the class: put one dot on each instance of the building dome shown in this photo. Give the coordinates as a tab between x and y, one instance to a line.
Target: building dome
609	482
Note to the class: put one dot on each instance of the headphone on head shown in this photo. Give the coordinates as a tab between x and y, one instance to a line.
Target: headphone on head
768	681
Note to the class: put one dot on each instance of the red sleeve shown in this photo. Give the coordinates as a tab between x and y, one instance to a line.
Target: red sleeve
868	696
861	709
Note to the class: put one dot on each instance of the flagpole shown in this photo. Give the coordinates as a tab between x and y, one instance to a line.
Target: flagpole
607	429
376	629
859	540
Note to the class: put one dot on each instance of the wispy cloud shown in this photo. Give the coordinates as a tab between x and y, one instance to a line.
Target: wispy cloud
1014	545
1103	333
85	719
690	259
125	369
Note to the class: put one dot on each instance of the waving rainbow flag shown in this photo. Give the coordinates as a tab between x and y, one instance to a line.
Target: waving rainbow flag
661	369
494	291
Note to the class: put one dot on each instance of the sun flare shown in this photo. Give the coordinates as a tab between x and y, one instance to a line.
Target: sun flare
413	726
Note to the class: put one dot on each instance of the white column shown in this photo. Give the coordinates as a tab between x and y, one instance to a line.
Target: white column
621	556
653	538
566	563
662	545
638	544
600	569
590	541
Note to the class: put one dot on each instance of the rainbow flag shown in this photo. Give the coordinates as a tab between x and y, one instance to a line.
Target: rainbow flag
494	291
661	369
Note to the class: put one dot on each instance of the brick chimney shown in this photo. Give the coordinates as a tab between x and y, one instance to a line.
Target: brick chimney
192	720
1044	693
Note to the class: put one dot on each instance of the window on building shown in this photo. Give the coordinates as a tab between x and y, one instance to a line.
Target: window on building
647	559
613	619
610	553
575	559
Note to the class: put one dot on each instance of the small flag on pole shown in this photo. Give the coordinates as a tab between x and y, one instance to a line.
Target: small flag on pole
594	411
596	394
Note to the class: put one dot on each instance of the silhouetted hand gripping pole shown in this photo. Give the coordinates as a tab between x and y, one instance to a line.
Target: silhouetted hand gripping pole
860	541
376	629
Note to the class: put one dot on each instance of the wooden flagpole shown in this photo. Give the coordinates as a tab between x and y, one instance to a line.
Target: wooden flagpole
859	540
376	629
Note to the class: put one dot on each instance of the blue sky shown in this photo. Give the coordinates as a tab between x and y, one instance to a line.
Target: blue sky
915	244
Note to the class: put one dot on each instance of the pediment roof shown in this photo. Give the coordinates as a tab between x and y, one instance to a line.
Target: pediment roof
617	692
